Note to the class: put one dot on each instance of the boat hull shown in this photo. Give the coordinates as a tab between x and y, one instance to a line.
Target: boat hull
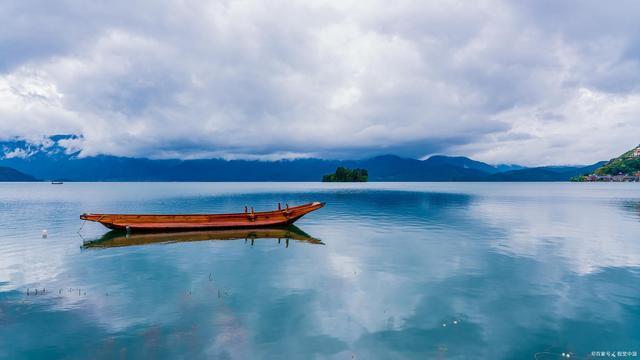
194	222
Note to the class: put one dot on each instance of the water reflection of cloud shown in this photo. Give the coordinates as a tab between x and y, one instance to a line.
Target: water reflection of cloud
232	337
586	235
517	274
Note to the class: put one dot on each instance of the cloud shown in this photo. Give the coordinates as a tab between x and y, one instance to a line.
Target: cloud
518	82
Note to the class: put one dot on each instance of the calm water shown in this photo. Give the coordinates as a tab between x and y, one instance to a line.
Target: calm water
416	270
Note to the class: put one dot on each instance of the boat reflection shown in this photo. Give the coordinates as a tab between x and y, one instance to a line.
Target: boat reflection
120	238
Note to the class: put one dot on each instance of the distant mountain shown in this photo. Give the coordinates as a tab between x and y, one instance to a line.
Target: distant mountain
545	173
395	168
111	168
49	148
627	163
509	167
9	174
49	159
463	162
54	158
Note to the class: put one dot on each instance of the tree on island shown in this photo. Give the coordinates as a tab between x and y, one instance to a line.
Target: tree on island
343	174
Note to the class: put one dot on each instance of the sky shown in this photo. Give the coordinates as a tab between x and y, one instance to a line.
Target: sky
526	82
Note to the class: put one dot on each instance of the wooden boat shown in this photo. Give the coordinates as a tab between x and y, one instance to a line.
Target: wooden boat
117	238
189	222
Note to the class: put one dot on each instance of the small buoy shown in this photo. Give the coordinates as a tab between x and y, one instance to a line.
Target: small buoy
44	234
455	322
444	325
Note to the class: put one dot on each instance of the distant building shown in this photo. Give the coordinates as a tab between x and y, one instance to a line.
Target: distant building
636	152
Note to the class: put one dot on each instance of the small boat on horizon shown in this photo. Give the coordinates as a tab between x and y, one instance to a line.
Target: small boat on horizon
117	238
189	222
57	182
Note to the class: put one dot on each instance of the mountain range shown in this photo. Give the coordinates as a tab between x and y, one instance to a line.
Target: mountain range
10	174
49	159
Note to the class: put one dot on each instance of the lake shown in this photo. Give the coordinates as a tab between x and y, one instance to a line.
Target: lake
383	271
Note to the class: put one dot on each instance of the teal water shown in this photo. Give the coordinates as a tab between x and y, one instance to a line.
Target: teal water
405	271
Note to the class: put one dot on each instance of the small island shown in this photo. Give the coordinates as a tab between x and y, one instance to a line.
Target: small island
343	174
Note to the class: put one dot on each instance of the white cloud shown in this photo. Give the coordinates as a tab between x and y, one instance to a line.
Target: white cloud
587	126
501	81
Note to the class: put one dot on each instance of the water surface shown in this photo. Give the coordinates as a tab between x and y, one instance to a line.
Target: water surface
401	270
